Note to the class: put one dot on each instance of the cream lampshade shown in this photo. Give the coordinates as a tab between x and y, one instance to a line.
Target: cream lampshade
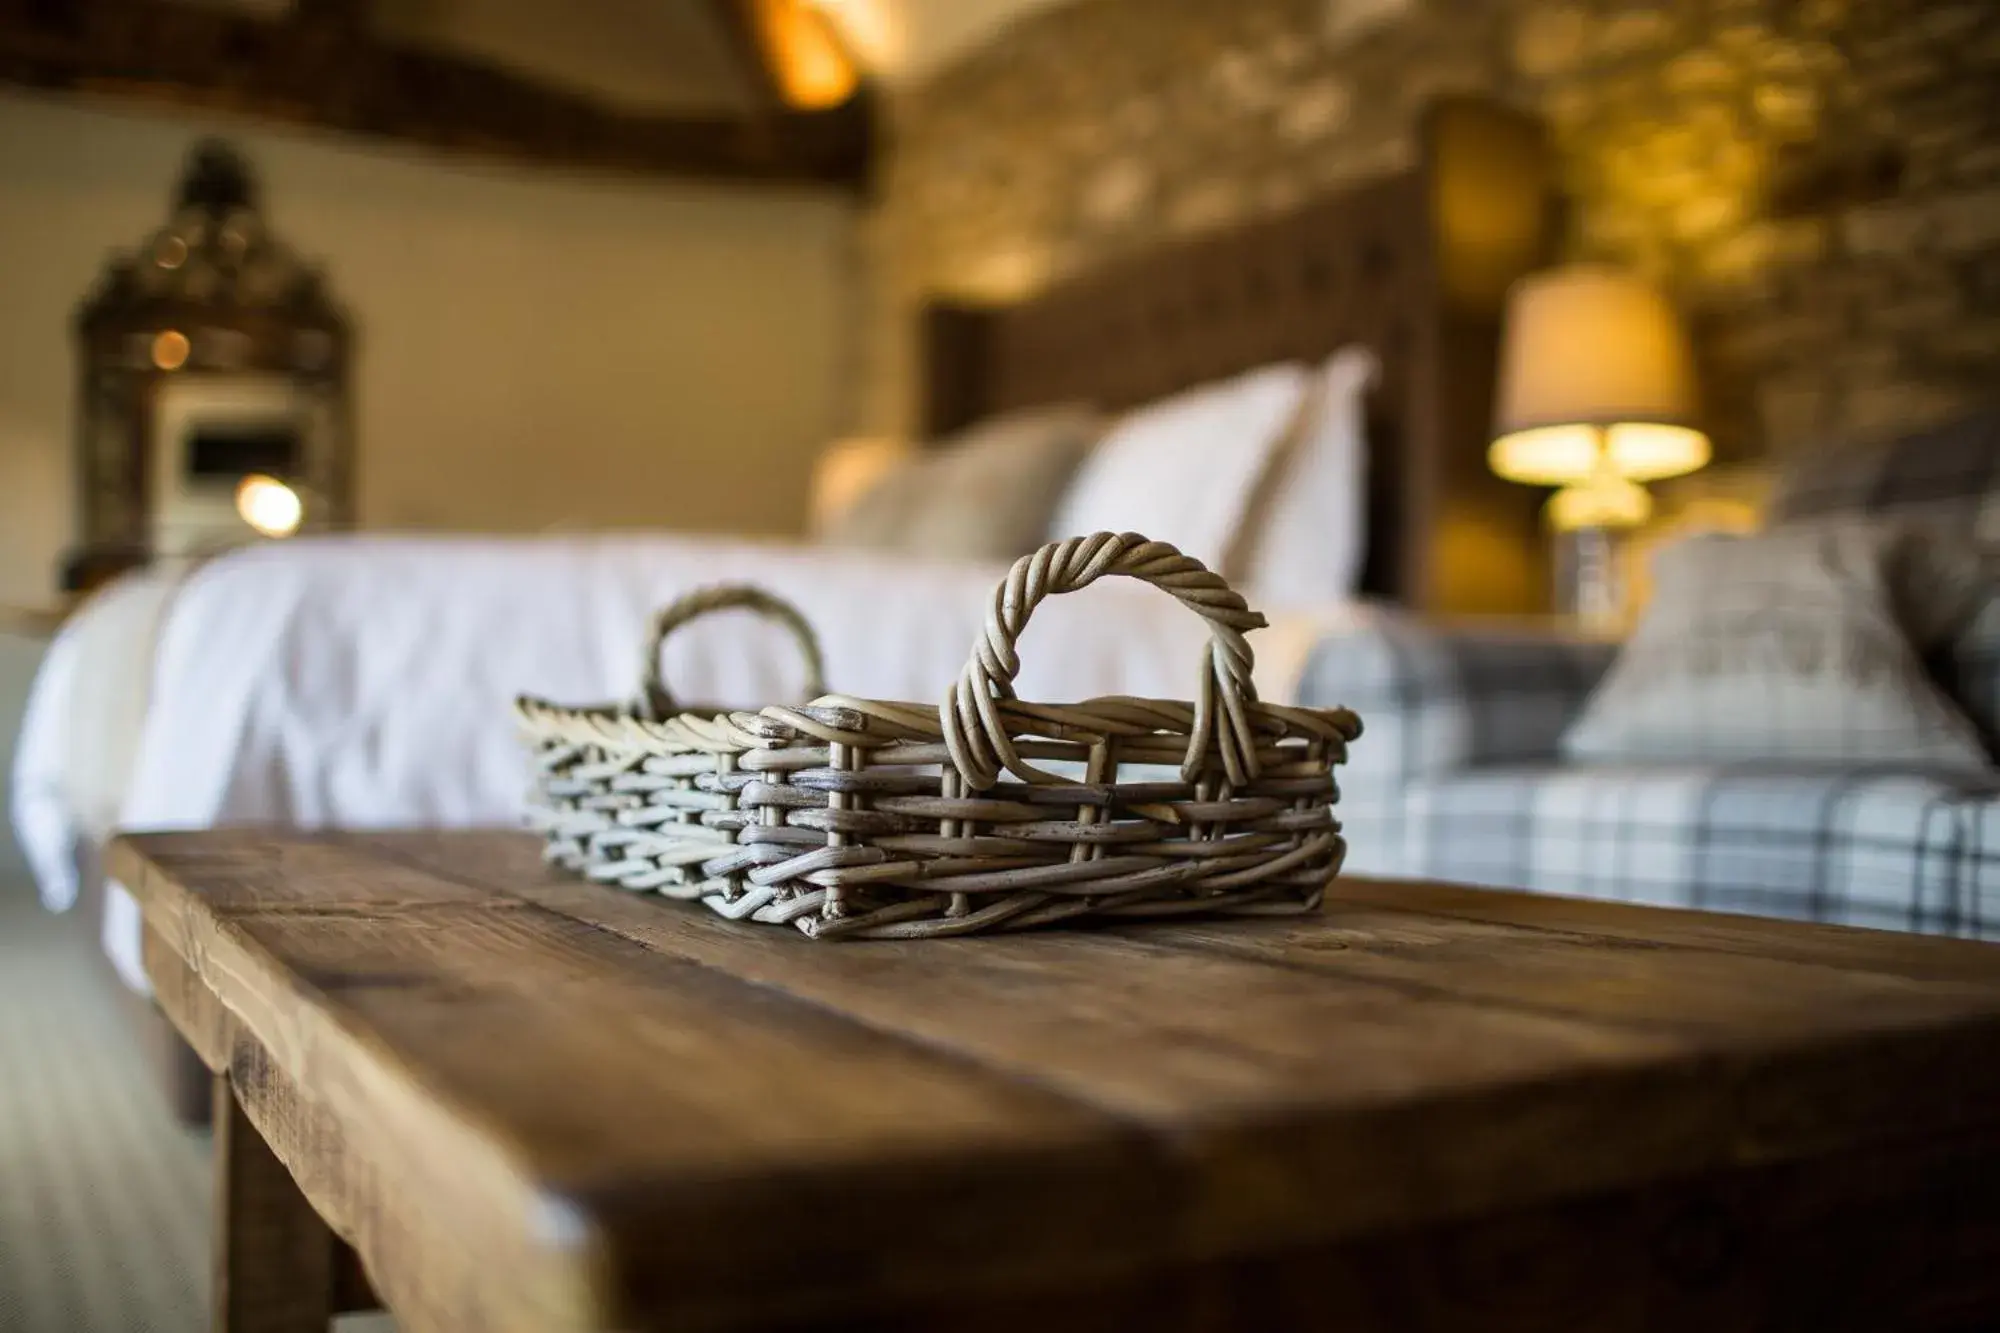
1596	384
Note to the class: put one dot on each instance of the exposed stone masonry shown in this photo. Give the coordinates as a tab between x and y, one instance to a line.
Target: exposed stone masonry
1816	181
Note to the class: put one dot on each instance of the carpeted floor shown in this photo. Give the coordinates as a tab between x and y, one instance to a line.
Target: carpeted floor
104	1198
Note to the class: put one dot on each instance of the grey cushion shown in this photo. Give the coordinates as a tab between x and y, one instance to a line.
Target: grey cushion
1967	662
985	493
1438	696
1947	474
1946	477
1949	479
1781	646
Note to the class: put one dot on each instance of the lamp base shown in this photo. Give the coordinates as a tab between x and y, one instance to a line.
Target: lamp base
1590	581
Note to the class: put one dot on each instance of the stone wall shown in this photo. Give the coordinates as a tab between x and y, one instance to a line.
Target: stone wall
1816	181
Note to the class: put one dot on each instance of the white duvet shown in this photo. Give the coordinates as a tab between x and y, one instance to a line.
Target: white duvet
366	683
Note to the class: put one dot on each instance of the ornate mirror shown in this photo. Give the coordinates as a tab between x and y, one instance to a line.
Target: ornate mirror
213	377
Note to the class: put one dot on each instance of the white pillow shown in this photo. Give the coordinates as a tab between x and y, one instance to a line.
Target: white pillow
1182	470
1304	538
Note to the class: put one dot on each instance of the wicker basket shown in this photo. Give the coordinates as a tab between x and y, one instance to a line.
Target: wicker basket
605	809
859	818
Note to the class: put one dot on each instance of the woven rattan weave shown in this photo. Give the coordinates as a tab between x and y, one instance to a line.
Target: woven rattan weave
590	793
862	818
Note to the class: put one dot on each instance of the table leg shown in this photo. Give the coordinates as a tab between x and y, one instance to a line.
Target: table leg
273	1259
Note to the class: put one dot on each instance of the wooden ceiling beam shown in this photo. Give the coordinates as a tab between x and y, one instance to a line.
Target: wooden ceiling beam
346	15
314	69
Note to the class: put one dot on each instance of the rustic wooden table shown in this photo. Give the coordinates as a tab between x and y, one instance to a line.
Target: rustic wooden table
533	1104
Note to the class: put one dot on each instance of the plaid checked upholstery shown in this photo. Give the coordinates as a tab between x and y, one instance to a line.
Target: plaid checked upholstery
1894	851
1435	700
1457	777
1979	861
1438	698
1949	474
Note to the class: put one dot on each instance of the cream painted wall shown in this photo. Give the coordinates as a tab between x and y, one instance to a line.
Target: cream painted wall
535	349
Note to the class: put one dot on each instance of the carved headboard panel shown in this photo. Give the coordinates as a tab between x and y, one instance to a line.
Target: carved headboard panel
1413	266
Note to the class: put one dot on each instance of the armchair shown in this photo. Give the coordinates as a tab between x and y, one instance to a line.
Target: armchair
1459	775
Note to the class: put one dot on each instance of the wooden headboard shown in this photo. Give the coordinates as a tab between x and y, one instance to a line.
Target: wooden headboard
1414	266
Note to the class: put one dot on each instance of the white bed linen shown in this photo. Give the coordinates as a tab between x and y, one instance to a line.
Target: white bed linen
366	683
80	730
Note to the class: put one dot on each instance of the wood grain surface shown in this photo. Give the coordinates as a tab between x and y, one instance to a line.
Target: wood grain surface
533	1103
273	1259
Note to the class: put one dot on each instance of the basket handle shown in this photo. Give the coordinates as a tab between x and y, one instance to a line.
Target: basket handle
974	730
656	701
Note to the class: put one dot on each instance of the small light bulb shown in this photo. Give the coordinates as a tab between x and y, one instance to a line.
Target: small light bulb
269	506
170	349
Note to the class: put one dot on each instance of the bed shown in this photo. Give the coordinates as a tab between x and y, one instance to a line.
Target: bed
363	682
1414	266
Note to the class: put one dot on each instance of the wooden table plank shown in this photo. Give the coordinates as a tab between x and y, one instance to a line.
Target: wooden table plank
556	1068
1143	1023
273	1259
1429	919
1718	997
1930	958
476	1066
428	1202
1905	1239
196	1012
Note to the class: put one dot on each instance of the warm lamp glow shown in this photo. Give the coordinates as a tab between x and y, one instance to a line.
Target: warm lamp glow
813	68
845	472
869	28
1565	455
1596	393
1545	456
269	506
170	349
1606	502
1652	451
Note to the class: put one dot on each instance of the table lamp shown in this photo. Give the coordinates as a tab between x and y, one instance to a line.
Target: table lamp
1596	396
